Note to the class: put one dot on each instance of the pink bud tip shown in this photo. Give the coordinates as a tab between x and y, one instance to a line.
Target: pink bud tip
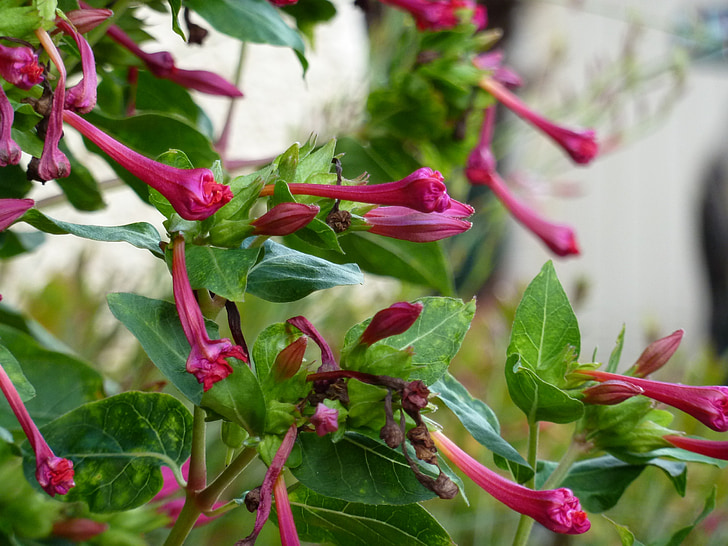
325	420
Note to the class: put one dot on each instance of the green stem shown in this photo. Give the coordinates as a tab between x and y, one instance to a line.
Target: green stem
185	522
525	524
198	473
207	497
575	449
223	141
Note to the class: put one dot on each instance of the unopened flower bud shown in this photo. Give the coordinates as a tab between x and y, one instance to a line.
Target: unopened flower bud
610	393
289	360
657	354
284	219
393	320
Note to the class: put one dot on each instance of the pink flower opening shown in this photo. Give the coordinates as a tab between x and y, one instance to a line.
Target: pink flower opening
193	193
19	66
556	509
207	358
325	419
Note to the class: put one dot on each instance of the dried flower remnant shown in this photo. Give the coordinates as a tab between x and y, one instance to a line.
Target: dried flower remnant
556	509
193	193
709	404
207	358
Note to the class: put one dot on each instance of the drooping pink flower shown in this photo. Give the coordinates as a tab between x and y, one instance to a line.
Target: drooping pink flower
193	193
289	360
437	15
207	356
53	162
580	144
266	488
492	61
286	525
556	509
394	320
711	448
657	353
81	97
325	419
284	219
10	152
12	209
410	225
54	474
162	65
19	66
709	405
328	361
423	190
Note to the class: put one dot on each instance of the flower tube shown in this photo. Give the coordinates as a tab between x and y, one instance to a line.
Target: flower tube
10	152
12	209
81	97
709	405
710	448
410	225
423	190
193	193
289	535
206	360
556	509
54	474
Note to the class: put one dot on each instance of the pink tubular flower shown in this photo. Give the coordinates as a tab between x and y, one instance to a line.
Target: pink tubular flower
410	225
193	193
709	405
162	65
395	319
12	209
284	219
440	14
581	145
325	419
266	488
54	474
423	190
657	354
710	448
207	357
481	163
556	509
19	66
286	525
81	98
53	162
10	152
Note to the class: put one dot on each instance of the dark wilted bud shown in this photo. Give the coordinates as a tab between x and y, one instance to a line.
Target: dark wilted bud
391	432
656	355
414	396
289	360
425	448
252	499
393	320
444	487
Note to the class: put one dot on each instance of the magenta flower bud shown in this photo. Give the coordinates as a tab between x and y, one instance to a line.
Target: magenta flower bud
19	66
395	319
560	238
437	15
657	354
12	209
423	190
581	145
286	525
162	65
610	393
193	193
556	509
87	19
325	419
81	97
710	448
78	529
54	474
280	3
410	225
709	405
284	219
289	360
492	61
207	357
10	152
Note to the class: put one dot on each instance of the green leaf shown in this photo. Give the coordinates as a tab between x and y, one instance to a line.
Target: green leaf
683	533
254	21
625	535
544	342
357	469
15	373
539	400
616	352
325	520
14	243
139	234
156	325
223	271
117	446
46	9
481	422
13	182
285	274
56	393
435	336
174	7
80	186
18	21
239	399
